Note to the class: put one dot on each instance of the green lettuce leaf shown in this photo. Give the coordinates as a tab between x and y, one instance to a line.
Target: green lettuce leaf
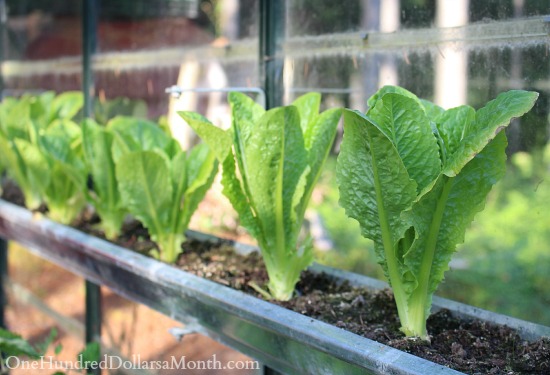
105	196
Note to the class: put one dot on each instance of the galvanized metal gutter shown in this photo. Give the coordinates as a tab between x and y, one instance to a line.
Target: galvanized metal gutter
285	341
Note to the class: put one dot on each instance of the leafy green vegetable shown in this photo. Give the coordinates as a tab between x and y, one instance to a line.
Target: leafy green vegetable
12	344
61	146
414	176
105	196
271	162
160	184
15	125
23	124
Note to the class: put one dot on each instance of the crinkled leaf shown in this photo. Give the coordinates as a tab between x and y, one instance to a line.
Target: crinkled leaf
98	142
145	185
318	139
62	142
17	122
432	110
5	108
133	134
468	193
404	122
30	169
453	125
234	191
40	108
308	108
66	105
202	167
178	171
245	115
489	121
217	139
64	194
276	159
244	109
371	102
375	187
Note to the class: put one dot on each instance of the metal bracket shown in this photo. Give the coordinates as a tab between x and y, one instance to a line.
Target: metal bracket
180	332
177	91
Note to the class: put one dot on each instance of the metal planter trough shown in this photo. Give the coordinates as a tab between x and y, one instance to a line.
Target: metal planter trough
281	339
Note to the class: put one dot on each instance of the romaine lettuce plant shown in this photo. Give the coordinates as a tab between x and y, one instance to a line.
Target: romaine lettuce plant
104	196
271	162
160	184
414	176
65	172
15	135
23	122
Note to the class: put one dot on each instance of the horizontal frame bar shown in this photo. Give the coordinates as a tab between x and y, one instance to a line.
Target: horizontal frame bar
523	32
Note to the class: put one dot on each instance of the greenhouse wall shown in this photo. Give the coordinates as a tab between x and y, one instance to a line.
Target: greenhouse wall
452	52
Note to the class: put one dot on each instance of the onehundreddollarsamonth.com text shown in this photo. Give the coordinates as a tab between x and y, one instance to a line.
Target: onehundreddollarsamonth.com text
110	362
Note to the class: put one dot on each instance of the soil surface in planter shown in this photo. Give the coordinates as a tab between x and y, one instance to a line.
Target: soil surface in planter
468	346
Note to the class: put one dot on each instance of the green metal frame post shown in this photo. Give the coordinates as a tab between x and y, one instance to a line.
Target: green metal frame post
3	242
3	280
89	42
272	31
3	41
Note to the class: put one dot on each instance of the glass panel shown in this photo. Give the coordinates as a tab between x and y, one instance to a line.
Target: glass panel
40	46
452	52
146	47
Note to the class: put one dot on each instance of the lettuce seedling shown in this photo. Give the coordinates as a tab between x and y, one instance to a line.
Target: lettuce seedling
104	196
160	184
61	147
22	123
15	124
271	162
414	176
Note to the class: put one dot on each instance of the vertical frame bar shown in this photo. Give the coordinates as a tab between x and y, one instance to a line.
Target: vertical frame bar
89	43
3	242
3	280
3	41
272	31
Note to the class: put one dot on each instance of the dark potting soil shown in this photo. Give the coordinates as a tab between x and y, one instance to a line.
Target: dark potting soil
469	346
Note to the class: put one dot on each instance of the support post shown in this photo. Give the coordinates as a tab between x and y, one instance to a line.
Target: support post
3	280
272	29
89	41
3	41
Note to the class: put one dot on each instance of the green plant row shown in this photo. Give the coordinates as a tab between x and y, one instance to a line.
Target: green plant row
129	166
412	174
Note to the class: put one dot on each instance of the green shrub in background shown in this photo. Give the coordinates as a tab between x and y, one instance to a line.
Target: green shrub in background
508	248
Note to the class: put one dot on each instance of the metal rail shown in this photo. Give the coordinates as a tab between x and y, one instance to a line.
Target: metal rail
516	32
283	340
177	91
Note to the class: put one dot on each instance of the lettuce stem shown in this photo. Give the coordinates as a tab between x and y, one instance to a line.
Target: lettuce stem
170	246
419	303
